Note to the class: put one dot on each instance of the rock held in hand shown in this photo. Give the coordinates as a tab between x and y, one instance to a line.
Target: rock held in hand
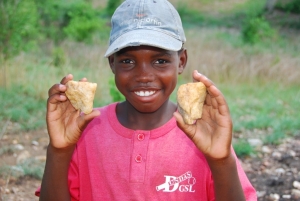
190	98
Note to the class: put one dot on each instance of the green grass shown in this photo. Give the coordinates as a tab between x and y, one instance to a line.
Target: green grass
270	107
23	107
216	16
30	167
242	148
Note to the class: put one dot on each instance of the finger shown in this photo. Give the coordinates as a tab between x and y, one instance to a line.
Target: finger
60	87
208	100
210	87
66	79
186	128
198	77
83	80
53	100
57	89
84	119
218	100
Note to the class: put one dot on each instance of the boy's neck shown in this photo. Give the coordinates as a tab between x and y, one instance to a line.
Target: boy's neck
131	118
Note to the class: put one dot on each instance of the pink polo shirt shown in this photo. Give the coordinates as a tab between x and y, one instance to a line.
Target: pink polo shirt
112	162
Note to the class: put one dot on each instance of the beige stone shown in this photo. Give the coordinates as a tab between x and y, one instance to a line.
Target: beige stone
81	95
190	98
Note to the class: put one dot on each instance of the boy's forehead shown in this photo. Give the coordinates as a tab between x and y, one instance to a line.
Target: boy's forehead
143	47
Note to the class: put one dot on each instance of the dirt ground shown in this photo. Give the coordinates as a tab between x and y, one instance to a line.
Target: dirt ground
273	171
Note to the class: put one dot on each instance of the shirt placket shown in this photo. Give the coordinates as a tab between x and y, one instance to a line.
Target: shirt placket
139	156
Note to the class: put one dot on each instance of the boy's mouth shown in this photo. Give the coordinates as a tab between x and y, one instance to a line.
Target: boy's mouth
144	93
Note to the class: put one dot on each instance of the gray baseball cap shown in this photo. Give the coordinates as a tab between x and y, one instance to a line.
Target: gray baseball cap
146	22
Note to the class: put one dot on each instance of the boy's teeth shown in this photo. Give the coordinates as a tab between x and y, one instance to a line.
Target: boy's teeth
144	93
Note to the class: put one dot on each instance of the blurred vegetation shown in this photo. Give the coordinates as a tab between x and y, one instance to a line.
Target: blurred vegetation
24	22
111	6
242	148
42	40
20	105
292	6
114	92
27	168
257	30
19	26
77	20
269	108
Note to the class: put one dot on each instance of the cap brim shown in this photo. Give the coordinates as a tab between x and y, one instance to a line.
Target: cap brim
144	37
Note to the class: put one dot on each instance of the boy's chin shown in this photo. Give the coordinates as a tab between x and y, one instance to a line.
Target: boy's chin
149	107
146	108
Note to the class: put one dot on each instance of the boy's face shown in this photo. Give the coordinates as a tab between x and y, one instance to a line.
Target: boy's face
147	75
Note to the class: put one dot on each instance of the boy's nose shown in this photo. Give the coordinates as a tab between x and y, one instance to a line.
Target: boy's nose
144	73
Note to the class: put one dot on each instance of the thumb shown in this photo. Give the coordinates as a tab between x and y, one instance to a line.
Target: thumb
85	119
186	128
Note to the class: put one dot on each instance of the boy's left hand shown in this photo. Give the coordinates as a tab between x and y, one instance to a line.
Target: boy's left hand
212	133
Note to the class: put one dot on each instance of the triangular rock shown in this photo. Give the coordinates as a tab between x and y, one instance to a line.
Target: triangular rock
81	95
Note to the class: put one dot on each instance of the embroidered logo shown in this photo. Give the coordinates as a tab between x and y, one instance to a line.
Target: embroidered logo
183	183
143	19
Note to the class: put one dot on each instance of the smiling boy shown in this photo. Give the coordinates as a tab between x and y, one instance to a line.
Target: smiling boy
141	149
146	76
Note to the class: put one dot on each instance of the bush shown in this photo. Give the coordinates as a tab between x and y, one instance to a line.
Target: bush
75	19
111	6
19	26
289	6
83	22
59	57
258	30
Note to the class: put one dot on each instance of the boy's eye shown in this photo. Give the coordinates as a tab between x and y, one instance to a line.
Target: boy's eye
127	61
160	61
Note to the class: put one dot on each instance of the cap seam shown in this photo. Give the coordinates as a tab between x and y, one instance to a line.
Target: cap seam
141	7
174	17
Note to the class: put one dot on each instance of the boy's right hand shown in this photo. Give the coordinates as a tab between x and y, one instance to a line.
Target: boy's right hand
65	124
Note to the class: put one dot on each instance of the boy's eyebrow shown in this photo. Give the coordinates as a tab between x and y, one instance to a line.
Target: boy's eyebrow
162	53
121	53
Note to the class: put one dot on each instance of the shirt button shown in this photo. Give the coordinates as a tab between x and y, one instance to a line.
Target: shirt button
138	158
141	137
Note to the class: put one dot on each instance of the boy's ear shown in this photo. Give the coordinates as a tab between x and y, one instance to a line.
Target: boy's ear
183	57
111	61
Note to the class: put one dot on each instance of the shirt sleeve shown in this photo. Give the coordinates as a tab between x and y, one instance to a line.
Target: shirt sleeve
37	192
73	177
211	190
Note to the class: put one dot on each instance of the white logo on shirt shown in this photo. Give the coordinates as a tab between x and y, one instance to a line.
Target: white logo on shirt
173	183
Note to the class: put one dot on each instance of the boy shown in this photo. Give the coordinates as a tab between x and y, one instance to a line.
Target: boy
141	149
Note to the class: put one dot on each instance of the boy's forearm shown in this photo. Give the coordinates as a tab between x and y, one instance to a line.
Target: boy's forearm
55	179
227	184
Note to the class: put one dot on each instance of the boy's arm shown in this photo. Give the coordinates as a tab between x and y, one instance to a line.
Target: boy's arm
212	134
65	125
226	180
55	179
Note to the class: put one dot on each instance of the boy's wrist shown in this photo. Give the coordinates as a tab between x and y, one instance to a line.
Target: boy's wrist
61	151
229	161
